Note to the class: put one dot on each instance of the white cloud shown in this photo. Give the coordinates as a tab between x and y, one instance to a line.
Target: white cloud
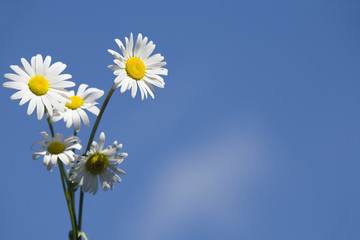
206	182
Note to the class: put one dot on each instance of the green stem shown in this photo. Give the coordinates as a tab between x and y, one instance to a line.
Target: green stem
72	195
91	138
80	209
50	125
68	199
99	118
68	194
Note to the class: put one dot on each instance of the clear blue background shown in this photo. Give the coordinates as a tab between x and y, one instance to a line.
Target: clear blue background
255	136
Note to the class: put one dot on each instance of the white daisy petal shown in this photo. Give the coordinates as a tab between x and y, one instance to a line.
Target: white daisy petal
104	183
137	65
115	54
121	76
100	166
81	89
17	95
154	59
120	63
84	117
25	98
94	96
86	186
53	149
73	111
15	85
39	65
46	161
33	63
101	141
121	46
149	49
94	110
150	89
53	160
124	85
17	78
142	90
21	72
133	89
39	84
46	64
76	120
40	108
156	82
47	104
59	78
117	170
114	67
64	159
29	70
31	106
55	70
94	184
138	45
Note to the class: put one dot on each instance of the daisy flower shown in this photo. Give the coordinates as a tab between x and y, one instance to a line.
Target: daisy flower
98	164
74	110
135	68
54	148
39	83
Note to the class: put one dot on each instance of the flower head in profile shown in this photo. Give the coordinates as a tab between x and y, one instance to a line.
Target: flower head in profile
39	83
74	112
55	148
135	68
98	164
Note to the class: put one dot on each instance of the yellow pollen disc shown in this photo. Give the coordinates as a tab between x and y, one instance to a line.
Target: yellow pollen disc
76	102
135	68
56	147
38	85
97	163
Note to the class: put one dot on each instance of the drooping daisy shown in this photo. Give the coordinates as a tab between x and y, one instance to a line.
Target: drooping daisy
39	83
74	110
54	148
135	68
98	164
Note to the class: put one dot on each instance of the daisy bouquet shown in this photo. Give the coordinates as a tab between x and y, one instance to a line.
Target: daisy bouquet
44	87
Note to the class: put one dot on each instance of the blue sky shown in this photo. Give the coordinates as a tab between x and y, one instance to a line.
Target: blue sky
255	136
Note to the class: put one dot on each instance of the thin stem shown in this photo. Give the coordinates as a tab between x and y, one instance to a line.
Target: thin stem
72	195
91	138
68	194
99	118
80	209
50	125
68	200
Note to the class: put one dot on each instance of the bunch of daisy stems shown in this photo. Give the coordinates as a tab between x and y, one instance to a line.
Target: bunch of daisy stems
43	86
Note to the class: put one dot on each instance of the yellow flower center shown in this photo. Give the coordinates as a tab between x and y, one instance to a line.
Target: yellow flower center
38	85
97	163
135	68
56	147
76	102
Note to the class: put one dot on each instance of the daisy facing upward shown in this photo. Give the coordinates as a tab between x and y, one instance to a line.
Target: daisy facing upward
135	68
74	112
39	83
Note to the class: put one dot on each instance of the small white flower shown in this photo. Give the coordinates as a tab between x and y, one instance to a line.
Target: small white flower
74	110
98	162
39	83
135	68
54	148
